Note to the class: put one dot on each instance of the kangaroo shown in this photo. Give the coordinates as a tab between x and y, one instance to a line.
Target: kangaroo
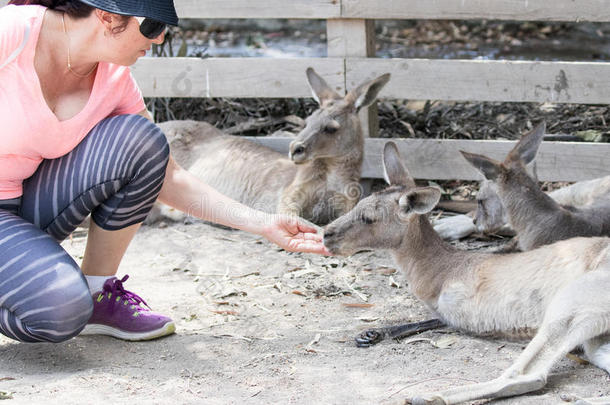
557	293
537	218
319	180
491	217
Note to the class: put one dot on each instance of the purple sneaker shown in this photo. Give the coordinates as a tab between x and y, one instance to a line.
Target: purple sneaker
119	313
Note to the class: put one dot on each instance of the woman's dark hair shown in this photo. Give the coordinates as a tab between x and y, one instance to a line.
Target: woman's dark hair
73	8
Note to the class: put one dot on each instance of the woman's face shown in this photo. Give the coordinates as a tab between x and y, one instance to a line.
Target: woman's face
130	44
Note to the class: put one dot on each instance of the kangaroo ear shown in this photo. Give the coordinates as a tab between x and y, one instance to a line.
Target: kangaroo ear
320	90
366	93
420	200
490	168
394	171
527	147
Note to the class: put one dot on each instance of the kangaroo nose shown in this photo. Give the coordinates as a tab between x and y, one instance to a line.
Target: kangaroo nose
329	233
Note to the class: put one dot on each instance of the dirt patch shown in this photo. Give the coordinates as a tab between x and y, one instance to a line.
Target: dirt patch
258	325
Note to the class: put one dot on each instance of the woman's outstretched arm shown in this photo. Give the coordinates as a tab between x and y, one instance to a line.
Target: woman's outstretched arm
185	192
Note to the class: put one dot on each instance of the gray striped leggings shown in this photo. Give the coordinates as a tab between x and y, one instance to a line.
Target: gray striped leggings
116	174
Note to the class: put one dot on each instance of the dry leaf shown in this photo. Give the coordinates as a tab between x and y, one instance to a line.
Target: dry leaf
576	358
358	305
6	395
367	319
226	312
387	271
444	342
393	283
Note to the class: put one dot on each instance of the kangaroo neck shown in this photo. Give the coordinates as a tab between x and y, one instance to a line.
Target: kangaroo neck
524	201
426	259
339	168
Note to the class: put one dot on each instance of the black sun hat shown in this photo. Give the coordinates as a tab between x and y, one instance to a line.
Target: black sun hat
160	10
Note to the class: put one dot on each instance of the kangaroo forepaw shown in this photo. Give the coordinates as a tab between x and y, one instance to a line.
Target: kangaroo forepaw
369	338
428	399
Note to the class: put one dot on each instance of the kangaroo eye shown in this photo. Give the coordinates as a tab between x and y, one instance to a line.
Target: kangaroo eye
366	219
330	130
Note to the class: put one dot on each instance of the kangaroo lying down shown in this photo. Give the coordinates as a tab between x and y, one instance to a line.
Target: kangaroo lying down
319	181
491	217
536	217
556	293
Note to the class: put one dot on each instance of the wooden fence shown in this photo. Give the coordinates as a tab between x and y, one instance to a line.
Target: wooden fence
350	37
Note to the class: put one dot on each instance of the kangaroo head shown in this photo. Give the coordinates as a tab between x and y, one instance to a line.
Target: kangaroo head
381	220
334	129
491	215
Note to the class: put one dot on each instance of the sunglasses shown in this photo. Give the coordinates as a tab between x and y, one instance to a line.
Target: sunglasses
150	28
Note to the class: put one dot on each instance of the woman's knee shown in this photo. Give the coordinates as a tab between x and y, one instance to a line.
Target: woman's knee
67	310
43	294
143	142
55	314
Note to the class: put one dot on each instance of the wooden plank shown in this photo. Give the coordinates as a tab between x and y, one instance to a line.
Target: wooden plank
428	79
441	160
350	38
258	8
233	77
355	38
525	10
559	82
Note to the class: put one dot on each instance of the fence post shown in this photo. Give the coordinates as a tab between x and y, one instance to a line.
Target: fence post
354	38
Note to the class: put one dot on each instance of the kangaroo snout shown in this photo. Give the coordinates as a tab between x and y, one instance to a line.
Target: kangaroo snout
330	240
328	235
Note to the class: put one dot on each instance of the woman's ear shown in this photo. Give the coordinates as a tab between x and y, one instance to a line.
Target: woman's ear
108	20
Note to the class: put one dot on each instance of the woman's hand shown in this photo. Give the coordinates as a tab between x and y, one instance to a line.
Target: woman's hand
295	235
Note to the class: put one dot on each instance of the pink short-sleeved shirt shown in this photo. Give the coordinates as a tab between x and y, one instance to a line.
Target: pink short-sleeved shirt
29	131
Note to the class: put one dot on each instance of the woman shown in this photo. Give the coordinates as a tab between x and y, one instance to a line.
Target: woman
76	139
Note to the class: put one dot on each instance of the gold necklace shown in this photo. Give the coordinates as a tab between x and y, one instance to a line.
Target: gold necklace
63	21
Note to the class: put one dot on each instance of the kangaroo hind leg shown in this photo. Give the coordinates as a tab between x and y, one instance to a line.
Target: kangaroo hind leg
570	320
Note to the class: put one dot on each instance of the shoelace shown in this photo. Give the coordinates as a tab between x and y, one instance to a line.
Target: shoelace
114	287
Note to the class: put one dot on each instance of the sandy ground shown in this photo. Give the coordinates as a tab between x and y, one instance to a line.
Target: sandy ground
257	325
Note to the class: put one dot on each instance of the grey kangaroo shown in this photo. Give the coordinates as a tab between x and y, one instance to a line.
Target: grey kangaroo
534	215
318	181
557	294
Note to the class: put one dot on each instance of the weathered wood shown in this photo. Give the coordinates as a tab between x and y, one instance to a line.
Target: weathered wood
559	82
350	38
441	160
525	10
258	8
462	207
233	77
355	38
423	79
